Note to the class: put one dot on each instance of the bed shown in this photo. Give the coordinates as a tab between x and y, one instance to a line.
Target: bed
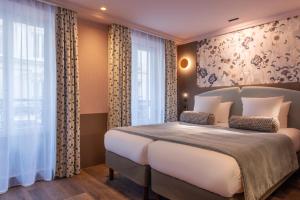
198	168
128	154
175	184
170	181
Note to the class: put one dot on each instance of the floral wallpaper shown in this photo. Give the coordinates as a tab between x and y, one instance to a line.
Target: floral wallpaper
268	53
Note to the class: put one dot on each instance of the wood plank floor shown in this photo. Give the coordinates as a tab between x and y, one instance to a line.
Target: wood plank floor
92	184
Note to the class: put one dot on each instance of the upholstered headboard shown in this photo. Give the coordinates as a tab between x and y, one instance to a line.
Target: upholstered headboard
234	94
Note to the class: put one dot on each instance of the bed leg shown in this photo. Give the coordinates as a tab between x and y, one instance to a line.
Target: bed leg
146	193
111	174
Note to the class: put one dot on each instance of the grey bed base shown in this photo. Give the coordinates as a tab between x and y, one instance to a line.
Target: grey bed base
175	189
140	174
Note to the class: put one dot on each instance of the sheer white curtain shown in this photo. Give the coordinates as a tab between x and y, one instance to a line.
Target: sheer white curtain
148	79
27	92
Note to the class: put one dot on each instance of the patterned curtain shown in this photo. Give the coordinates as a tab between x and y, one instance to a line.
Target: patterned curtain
171	81
68	111
119	76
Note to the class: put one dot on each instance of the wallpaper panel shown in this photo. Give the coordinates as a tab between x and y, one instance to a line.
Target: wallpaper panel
264	54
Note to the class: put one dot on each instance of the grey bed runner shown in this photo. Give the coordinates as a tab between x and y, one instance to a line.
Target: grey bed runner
264	158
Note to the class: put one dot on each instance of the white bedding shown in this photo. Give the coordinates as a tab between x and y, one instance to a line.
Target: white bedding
197	166
129	146
126	145
213	171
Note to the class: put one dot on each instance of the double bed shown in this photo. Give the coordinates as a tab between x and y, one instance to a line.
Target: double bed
184	171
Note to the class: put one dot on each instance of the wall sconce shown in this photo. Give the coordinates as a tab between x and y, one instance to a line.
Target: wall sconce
184	63
185	99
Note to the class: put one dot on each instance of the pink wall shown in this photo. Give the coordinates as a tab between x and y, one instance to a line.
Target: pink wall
92	54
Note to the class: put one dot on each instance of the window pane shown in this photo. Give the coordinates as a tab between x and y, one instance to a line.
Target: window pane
148	80
28	73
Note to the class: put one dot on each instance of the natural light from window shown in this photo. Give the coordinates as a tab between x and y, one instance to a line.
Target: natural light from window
148	79
28	64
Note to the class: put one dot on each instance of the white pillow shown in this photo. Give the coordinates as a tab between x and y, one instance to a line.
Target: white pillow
207	104
223	111
283	114
262	107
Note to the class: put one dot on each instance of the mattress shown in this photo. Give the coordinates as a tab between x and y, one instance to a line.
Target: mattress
128	146
209	170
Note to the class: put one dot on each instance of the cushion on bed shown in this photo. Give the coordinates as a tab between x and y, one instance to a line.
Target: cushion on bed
223	111
207	104
263	124
197	118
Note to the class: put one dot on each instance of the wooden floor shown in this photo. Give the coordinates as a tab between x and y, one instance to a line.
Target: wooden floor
92	184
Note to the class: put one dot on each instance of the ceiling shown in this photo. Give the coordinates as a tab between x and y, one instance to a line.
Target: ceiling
182	20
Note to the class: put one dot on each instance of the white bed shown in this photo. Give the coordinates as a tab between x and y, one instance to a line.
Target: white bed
128	146
209	170
212	171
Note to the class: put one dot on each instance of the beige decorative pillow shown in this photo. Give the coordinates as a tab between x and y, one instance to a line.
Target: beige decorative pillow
263	124
197	118
223	111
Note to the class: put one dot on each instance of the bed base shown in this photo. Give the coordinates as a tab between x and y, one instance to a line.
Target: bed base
140	174
175	189
164	185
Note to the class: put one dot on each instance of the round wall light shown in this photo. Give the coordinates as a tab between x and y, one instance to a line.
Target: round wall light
184	63
103	8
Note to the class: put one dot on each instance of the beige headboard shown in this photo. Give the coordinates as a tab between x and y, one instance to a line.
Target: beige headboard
234	94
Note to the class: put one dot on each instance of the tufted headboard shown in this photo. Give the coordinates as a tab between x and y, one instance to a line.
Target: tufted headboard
234	94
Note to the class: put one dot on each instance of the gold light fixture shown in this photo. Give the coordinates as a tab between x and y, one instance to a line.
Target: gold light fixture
184	63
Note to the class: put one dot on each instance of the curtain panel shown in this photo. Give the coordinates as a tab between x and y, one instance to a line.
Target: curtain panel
119	76
27	93
171	81
68	108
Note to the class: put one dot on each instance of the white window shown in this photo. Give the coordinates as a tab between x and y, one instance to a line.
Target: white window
28	73
148	79
27	92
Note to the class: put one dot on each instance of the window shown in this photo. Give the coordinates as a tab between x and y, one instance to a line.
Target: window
27	92
148	79
28	64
